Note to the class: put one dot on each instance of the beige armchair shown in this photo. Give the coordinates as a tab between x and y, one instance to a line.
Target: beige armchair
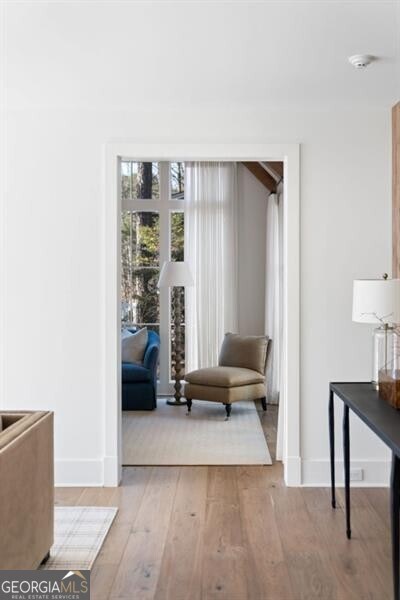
26	488
239	376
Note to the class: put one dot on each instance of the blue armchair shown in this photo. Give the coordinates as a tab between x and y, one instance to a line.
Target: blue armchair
139	382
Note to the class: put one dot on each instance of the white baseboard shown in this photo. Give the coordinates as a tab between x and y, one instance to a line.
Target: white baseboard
316	473
79	473
307	473
112	471
292	471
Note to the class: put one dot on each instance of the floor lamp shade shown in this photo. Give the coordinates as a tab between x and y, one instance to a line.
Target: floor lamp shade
175	274
377	301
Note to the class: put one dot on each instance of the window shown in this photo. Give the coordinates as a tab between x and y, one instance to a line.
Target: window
152	232
177	180
177	224
140	256
139	180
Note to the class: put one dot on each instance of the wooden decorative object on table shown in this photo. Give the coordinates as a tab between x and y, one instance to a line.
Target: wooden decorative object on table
389	386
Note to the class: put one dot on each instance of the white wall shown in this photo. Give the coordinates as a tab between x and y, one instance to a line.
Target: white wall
54	241
54	262
251	246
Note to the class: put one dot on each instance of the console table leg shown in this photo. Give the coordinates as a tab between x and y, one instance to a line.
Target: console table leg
394	509
332	447
346	457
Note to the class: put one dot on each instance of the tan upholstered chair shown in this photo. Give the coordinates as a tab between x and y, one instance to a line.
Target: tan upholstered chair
26	488
239	376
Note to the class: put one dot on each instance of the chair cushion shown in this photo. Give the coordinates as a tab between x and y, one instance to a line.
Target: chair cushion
224	377
246	351
134	373
224	394
133	346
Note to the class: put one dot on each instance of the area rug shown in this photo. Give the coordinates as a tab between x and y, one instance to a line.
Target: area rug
168	436
79	533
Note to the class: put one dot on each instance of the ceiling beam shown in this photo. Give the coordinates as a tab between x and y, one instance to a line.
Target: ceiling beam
276	166
262	175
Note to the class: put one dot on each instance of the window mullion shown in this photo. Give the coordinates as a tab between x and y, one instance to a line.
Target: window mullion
165	329
140	205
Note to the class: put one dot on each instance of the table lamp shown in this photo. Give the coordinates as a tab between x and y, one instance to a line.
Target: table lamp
176	274
377	301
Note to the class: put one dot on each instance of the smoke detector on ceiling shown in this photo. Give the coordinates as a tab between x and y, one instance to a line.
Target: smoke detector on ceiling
361	61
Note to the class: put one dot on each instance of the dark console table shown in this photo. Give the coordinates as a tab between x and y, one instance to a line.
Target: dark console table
384	420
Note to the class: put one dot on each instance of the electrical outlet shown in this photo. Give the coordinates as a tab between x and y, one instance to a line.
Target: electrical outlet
356	475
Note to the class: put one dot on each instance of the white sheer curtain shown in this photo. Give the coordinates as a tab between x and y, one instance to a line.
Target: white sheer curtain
274	306
211	211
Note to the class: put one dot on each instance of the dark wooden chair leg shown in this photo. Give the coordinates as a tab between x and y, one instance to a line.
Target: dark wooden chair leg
46	558
189	405
264	403
228	408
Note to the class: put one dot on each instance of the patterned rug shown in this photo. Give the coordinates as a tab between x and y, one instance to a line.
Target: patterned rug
168	436
79	533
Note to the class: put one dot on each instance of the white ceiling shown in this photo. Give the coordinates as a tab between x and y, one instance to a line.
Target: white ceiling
239	54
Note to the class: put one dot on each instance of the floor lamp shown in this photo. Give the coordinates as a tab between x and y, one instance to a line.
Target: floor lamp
176	275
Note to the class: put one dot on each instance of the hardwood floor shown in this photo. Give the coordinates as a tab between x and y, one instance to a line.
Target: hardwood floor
236	533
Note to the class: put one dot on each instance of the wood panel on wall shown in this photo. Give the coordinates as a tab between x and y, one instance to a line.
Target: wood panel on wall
396	189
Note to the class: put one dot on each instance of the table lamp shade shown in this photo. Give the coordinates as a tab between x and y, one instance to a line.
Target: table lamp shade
376	301
175	274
